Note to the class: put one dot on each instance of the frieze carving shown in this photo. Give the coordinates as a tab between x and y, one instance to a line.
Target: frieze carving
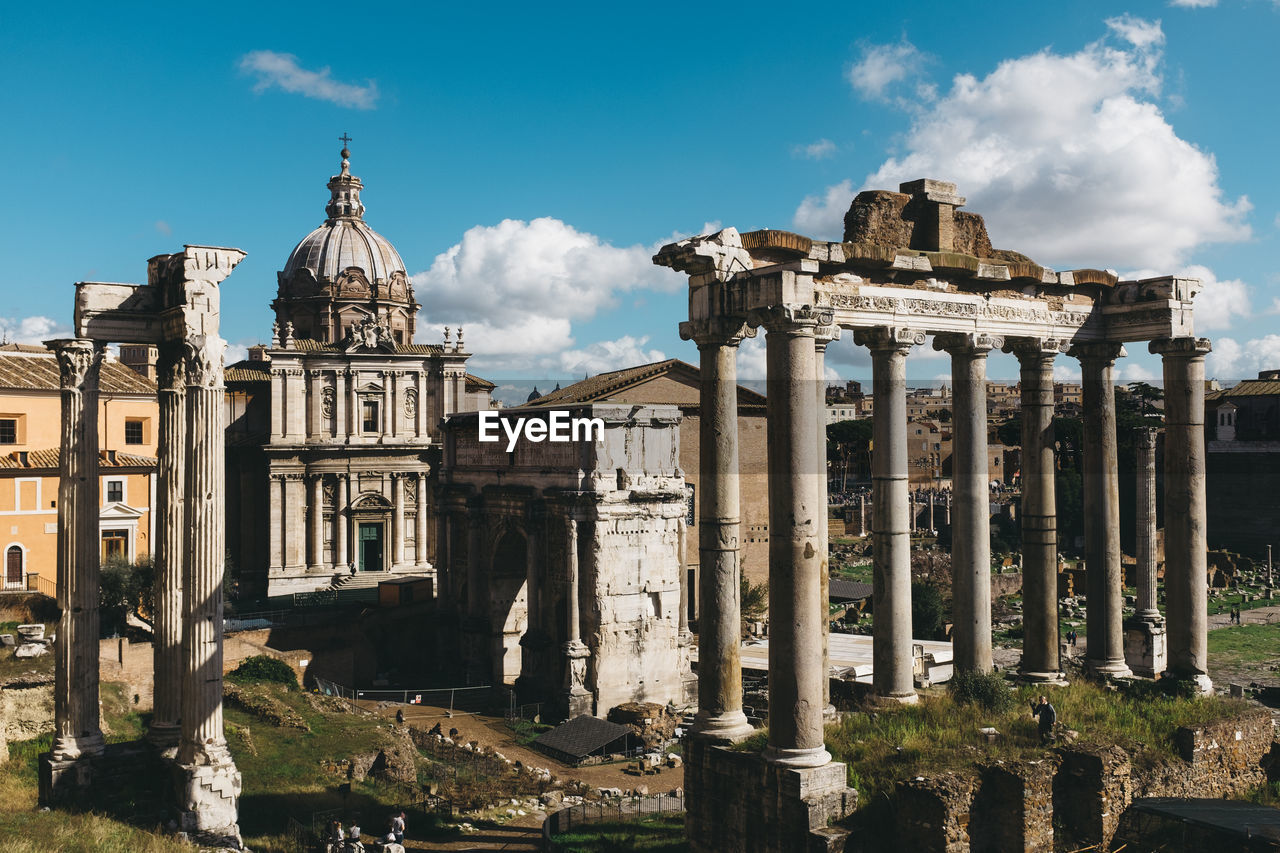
947	308
79	363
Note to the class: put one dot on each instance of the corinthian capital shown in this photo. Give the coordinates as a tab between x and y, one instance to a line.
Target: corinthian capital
204	360
976	343
1180	347
79	361
888	338
715	331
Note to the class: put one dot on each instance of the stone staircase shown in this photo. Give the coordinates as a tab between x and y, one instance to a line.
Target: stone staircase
362	587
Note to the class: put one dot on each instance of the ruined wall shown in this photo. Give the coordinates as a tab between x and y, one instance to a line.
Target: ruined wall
1242	500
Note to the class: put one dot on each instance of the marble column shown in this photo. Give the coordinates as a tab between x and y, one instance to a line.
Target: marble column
1145	445
720	717
315	400
420	533
397	520
315	507
167	657
822	337
341	524
386	404
421	413
77	731
212	784
1185	566
1040	651
278	427
1105	619
354	415
577	697
971	531
796	609
339	405
893	665
396	396
275	521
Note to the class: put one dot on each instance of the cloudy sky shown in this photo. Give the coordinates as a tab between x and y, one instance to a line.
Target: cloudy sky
527	159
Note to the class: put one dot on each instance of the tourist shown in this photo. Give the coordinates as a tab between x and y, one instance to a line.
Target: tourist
354	844
397	827
1047	717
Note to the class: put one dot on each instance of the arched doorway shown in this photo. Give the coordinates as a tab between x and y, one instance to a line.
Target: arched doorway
13	566
509	603
370	525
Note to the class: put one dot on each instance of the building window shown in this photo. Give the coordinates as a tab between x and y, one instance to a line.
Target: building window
133	431
115	545
115	491
369	412
8	430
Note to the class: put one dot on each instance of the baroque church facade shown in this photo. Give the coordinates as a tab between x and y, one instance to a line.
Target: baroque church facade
333	430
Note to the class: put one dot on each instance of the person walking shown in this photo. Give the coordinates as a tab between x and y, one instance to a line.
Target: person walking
397	827
1047	716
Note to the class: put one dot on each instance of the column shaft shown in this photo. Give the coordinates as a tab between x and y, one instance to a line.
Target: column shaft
339	405
167	656
1185	573
397	520
75	694
342	552
315	399
420	521
795	585
1146	523
824	336
386	403
1040	650
1102	510
202	736
316	528
892	659
720	715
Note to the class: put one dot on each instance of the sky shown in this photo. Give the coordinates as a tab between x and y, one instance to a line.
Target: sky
527	160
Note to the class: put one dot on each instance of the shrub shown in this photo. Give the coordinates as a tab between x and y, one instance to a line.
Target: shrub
928	612
264	668
985	689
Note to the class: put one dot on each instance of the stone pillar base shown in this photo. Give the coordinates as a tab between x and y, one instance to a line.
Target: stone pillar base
208	798
739	803
164	739
64	780
1051	679
1146	648
893	701
1107	668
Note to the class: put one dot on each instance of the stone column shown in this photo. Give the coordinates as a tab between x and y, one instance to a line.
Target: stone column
796	609
421	419
278	427
397	520
420	534
341	524
211	784
275	520
823	336
387	380
971	532
77	732
1185	566
167	658
1040	650
315	501
1102	510
353	405
396	396
576	695
720	717
1145	445
339	404
892	675
315	400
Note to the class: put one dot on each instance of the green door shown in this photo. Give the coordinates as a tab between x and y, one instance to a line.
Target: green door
370	547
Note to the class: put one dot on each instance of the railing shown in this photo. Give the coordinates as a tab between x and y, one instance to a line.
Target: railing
625	809
454	700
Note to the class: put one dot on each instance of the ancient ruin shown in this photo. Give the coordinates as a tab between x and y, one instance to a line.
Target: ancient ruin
177	311
911	266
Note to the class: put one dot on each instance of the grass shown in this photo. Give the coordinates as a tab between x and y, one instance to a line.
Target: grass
658	834
939	734
12	667
1241	644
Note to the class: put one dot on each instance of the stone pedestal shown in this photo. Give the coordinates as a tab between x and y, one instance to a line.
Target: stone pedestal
1146	647
577	699
209	794
65	780
737	802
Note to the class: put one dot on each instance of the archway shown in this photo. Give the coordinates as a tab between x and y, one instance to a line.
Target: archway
509	603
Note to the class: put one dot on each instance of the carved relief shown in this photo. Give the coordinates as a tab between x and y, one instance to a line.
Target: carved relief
327	397
330	492
79	363
352	281
411	403
396	284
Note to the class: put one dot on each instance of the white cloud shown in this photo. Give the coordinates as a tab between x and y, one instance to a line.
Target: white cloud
883	65
516	287
1067	156
281	70
820	150
163	227
32	330
1233	360
1134	371
603	356
1193	4
1275	306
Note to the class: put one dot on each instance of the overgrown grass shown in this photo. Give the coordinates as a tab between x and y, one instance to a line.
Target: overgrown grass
939	734
659	834
1242	644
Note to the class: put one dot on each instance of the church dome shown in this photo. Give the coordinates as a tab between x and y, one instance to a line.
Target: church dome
345	240
345	273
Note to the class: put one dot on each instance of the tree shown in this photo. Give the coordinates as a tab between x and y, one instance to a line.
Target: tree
928	612
753	599
124	586
849	444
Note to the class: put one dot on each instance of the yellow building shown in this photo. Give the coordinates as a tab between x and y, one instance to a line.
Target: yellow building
30	434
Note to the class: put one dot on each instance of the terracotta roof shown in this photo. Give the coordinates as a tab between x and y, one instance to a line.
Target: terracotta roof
308	345
603	385
1248	388
248	371
47	458
37	370
475	383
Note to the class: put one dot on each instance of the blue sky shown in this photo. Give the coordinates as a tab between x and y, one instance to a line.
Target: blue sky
526	159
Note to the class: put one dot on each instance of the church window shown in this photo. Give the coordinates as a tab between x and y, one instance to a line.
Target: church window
369	412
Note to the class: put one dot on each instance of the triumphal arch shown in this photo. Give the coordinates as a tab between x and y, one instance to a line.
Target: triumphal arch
176	311
911	266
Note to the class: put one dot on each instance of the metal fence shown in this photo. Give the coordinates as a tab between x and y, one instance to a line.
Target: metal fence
597	811
451	700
